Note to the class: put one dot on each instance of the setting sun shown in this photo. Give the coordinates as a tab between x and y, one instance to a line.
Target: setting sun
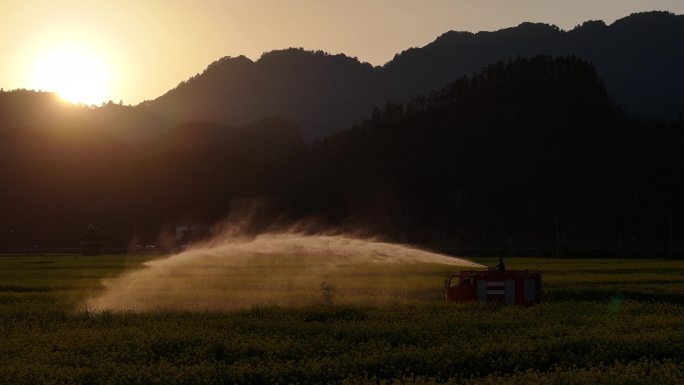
75	73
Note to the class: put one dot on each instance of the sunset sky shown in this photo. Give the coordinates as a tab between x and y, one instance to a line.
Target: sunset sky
138	49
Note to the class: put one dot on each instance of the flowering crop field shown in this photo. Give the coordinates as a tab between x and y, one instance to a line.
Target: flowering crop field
601	322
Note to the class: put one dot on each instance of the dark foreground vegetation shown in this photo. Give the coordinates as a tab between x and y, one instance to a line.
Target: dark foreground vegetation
603	322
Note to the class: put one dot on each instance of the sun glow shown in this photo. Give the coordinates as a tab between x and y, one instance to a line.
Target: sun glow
75	73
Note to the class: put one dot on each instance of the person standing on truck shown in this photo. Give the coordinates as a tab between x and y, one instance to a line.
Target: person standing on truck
500	266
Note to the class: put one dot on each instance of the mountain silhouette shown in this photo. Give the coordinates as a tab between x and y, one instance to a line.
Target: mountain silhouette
45	110
495	159
491	160
639	58
317	91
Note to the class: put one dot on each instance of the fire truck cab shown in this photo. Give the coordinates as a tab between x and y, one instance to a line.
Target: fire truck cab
508	287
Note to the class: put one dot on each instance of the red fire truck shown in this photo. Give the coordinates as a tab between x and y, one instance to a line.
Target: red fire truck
515	286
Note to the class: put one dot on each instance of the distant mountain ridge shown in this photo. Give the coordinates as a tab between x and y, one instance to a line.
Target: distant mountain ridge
311	89
497	159
640	59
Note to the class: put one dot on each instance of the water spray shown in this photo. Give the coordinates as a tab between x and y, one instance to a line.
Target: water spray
281	269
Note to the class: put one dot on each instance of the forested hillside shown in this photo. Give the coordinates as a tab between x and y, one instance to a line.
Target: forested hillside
638	57
525	153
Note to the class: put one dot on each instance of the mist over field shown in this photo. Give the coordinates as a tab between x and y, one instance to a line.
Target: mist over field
282	269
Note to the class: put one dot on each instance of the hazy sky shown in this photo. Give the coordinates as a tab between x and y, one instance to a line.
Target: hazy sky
149	46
